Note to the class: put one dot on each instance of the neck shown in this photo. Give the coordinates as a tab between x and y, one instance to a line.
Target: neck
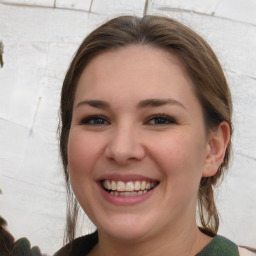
187	242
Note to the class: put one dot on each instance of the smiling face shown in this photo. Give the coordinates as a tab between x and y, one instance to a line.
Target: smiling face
137	145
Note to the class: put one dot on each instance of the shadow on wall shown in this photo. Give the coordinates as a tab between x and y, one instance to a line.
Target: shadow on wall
10	247
1	54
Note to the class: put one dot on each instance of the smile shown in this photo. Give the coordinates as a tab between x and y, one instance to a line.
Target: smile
130	188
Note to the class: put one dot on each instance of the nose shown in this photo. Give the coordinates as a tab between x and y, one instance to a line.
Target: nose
125	145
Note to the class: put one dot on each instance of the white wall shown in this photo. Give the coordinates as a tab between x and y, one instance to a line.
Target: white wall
40	37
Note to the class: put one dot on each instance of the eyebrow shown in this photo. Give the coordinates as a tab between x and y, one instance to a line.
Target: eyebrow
142	104
94	103
159	102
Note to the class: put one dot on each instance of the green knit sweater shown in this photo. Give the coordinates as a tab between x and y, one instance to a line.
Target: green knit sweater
219	246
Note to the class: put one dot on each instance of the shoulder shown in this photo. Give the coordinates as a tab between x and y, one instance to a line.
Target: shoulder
224	246
220	246
79	246
245	252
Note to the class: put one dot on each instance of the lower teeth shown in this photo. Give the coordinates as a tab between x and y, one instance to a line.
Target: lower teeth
126	194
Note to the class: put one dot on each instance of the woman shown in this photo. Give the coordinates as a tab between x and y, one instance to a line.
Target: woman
144	136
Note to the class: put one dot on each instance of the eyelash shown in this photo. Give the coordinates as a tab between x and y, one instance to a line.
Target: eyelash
163	118
88	120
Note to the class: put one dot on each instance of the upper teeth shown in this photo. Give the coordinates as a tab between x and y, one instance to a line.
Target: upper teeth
128	186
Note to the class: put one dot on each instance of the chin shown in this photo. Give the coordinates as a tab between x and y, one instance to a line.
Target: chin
127	235
125	229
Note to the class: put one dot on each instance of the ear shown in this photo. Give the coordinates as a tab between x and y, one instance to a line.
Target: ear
218	140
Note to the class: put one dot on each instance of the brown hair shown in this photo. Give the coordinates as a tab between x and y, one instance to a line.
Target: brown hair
201	65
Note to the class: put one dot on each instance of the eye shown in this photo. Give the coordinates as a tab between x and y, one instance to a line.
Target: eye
161	119
94	120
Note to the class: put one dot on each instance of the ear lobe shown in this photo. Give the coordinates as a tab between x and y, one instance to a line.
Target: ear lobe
216	148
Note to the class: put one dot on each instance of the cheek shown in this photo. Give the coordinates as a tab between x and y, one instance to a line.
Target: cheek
83	152
180	157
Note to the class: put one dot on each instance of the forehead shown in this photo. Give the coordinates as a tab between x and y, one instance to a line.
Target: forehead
140	65
155	58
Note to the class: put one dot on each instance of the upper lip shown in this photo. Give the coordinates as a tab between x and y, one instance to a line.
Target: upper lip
125	178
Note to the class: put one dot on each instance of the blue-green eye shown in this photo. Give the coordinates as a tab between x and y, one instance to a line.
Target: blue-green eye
95	120
161	119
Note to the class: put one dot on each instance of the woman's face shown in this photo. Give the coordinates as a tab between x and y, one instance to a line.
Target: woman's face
137	145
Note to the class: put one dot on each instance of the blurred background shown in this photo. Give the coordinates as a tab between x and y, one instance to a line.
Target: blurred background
39	38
